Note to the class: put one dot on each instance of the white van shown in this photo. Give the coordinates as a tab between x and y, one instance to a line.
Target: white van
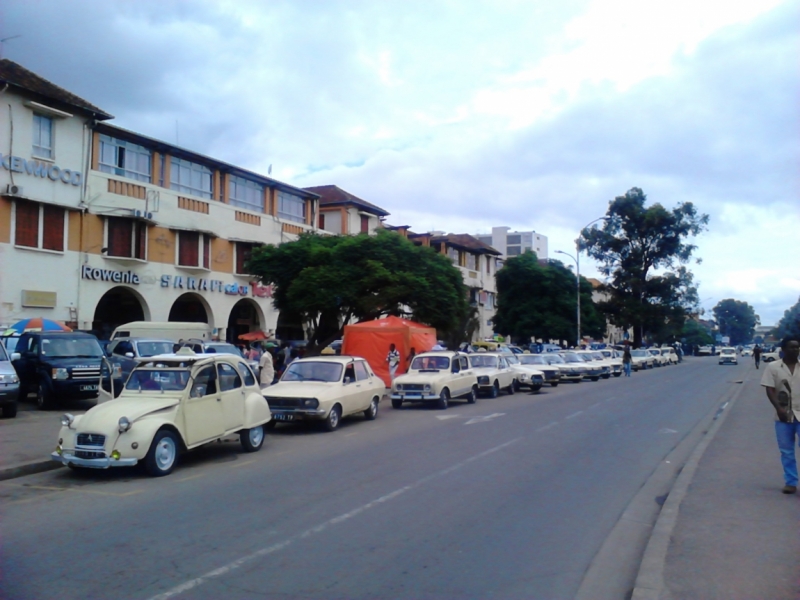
169	330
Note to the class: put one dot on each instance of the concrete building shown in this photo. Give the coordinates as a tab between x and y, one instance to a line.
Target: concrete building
100	226
342	212
513	243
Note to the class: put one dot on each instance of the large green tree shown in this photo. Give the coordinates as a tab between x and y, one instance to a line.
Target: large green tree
736	319
537	300
643	251
695	334
790	323
329	281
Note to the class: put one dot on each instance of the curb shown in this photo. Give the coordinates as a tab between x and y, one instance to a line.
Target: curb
28	469
650	579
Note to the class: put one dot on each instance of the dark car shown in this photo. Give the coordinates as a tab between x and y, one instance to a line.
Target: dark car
58	366
126	353
9	385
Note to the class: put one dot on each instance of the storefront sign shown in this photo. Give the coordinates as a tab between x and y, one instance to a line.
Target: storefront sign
17	164
36	299
88	272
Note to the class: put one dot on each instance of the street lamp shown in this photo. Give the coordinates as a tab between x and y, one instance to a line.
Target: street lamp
577	259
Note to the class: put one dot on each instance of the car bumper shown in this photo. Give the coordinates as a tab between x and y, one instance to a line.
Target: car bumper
414	397
287	416
67	458
9	394
728	361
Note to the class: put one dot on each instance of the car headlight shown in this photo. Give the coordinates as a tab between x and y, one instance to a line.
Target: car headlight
398	387
67	419
523	376
483	380
9	378
309	403
124	424
60	373
426	387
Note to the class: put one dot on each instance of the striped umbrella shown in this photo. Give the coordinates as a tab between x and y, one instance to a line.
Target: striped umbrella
36	324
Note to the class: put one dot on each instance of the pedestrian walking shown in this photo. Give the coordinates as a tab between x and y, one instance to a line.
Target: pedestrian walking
266	369
757	355
626	360
780	378
393	358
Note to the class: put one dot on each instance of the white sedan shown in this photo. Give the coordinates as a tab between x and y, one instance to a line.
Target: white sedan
493	373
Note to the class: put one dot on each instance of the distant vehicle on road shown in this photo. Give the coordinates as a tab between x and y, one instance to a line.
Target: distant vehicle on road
641	359
727	356
770	356
704	351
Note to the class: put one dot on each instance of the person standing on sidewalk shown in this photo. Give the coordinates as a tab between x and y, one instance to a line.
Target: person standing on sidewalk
626	360
266	369
393	358
780	378
757	354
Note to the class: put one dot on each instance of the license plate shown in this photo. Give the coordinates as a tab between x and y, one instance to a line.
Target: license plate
89	388
413	396
280	417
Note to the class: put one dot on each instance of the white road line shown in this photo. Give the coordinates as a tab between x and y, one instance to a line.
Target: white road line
484	419
193	583
546	427
575	414
593	405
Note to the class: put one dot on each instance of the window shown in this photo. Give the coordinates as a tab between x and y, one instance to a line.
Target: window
123	348
39	226
127	238
190	178
243	250
246	194
247	374
191	246
322	221
514	250
42	136
471	262
204	383
364	224
486	239
361	371
452	253
229	379
291	208
514	240
125	159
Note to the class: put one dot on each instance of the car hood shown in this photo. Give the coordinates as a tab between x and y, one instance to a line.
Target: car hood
485	370
302	389
106	416
533	370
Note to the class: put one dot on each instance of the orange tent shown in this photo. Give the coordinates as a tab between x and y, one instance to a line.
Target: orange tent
371	340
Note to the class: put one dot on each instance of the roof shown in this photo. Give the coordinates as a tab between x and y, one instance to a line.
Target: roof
13	74
332	195
465	241
389	323
335	358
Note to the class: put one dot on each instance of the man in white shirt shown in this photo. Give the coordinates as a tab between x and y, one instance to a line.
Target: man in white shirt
780	378
267	369
393	358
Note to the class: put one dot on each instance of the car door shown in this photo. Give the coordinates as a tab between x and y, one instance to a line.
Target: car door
352	389
232	396
506	374
26	365
461	376
202	409
363	385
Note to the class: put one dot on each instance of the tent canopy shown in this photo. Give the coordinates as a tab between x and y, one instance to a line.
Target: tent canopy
371	340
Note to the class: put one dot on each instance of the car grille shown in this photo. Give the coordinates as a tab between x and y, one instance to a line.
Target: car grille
89	454
410	387
86	373
275	402
548	375
91	440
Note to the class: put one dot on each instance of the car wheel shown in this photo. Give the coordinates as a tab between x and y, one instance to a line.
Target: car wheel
596	378
554	384
472	397
372	411
163	454
617	374
514	387
252	439
331	422
397	403
444	399
10	410
44	398
495	390
607	376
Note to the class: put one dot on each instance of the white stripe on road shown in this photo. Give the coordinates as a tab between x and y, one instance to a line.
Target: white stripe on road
575	414
546	427
184	587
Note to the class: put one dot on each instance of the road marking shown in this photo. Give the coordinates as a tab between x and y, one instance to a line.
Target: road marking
575	414
192	477
350	434
484	419
667	430
232	566
593	405
546	427
243	464
444	417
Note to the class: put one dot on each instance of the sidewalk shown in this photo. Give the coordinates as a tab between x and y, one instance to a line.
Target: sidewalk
736	533
26	442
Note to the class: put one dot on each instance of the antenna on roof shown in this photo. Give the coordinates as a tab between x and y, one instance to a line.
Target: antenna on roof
2	41
269	170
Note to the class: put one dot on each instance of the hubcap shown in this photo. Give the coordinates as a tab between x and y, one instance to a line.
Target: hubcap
165	453
334	418
256	434
373	407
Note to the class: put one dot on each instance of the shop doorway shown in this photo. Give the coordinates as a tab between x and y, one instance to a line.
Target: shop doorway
116	307
245	317
190	308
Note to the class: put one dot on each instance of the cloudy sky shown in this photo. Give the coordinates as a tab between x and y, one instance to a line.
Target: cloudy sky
460	115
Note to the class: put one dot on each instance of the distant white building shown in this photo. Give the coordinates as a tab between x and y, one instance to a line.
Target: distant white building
513	243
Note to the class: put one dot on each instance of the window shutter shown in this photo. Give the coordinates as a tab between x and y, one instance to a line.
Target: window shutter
242	255
187	252
53	228
119	236
141	240
27	226
364	224
206	251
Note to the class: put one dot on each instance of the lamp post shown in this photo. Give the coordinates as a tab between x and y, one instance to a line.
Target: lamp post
577	259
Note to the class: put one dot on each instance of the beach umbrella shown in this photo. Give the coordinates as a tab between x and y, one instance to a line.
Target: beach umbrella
36	324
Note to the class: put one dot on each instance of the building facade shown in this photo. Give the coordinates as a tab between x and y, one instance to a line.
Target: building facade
100	226
340	212
513	243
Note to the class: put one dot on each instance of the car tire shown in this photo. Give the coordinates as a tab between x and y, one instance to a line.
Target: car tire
554	384
270	424
44	397
252	439
617	374
10	410
162	456
495	390
397	403
331	422
472	397
607	376
536	388
596	378
372	411
514	387
444	399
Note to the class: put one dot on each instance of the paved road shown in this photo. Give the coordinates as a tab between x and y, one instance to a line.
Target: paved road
508	498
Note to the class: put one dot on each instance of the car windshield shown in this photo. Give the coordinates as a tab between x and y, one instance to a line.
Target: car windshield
640	353
158	379
476	360
532	359
727	351
598	356
3	354
223	349
10	343
430	363
147	349
71	347
571	358
513	359
554	359
313	371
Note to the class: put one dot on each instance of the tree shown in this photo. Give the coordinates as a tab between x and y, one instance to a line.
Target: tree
329	281
538	301
642	252
695	334
790	323
736	319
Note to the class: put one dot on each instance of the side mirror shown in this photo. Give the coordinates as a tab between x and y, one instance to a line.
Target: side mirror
15	356
347	380
129	354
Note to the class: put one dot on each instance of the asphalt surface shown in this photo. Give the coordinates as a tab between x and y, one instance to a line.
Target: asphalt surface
508	498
